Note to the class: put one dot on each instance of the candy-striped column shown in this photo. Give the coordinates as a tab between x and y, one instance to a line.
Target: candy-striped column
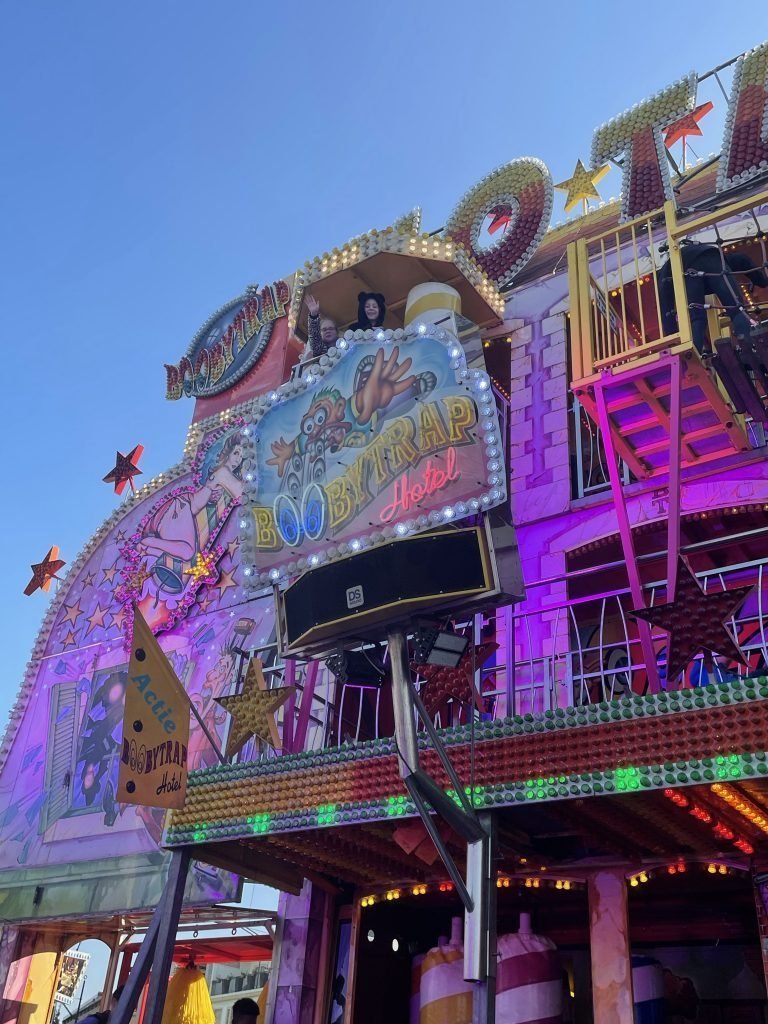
529	986
433	303
445	997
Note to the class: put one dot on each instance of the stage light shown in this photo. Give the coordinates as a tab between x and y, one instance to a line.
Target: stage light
360	668
434	647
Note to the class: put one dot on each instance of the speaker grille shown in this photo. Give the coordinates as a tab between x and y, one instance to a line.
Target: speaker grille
388	584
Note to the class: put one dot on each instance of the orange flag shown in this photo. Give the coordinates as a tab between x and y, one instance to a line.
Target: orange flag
153	761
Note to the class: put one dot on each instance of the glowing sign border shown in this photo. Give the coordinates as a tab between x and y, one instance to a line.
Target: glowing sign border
477	385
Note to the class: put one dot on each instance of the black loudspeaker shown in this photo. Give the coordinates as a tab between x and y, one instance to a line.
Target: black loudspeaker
356	598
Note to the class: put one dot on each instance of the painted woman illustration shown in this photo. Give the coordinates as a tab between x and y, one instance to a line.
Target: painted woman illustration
186	524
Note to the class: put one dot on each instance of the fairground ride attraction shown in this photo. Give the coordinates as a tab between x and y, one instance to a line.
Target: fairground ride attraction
462	574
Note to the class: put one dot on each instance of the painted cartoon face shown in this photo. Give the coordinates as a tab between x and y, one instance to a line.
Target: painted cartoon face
371	308
328	331
323	415
220	673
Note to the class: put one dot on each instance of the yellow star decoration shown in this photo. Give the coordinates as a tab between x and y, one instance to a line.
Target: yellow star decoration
253	710
581	185
204	567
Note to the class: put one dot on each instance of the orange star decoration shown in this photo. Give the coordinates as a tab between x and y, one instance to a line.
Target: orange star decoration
44	572
696	621
204	568
253	710
687	125
581	185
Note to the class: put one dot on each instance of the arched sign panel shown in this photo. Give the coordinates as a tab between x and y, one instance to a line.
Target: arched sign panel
229	344
393	438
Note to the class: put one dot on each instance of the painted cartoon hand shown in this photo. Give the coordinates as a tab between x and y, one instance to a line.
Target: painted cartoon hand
384	383
282	451
313	306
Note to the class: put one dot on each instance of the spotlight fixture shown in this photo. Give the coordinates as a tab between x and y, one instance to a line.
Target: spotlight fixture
360	668
439	647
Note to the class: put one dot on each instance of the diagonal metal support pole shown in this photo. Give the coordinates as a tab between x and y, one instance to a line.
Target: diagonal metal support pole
627	541
166	936
129	1000
673	506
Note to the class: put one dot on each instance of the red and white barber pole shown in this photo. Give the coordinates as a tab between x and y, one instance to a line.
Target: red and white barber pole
445	997
529	983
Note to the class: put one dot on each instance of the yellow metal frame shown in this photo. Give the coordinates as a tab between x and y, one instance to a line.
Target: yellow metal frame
595	346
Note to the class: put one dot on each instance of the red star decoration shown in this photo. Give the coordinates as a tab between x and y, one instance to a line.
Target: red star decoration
502	215
687	125
126	468
696	621
44	572
458	683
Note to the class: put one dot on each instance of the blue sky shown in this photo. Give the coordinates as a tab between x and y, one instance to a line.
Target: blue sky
158	156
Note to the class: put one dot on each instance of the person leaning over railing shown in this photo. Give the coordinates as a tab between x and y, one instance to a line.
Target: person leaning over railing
709	270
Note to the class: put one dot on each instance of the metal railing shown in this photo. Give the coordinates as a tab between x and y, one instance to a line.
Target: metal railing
621	288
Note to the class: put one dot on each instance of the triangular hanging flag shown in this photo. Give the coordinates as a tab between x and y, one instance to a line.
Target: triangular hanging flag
153	761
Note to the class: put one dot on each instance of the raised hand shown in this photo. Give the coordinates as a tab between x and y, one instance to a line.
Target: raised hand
384	383
313	306
282	451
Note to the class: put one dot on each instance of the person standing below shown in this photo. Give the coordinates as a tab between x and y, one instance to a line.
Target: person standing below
321	330
245	1011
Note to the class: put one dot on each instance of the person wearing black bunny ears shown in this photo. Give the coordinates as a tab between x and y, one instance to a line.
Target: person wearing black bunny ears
371	310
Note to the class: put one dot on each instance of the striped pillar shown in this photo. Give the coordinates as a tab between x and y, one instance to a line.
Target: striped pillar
433	303
529	985
416	989
445	997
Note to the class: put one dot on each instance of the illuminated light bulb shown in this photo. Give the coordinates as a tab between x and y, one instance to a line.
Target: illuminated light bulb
633	881
274	574
422	329
643	876
247	571
243	523
448	512
401	529
355	545
712	868
723	870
